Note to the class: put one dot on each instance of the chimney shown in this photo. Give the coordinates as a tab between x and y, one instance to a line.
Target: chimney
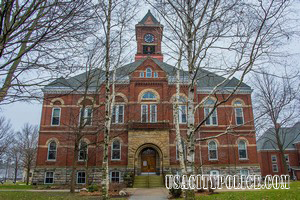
277	126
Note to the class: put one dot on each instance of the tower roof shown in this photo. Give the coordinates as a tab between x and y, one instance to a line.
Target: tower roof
149	19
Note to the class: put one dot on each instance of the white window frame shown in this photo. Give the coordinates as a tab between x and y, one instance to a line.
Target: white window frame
148	72
180	113
86	154
146	105
84	117
49	149
274	156
53	116
84	177
243	149
45	176
155	113
211	172
115	177
244	170
276	168
112	149
235	110
117	109
213	150
142	74
211	117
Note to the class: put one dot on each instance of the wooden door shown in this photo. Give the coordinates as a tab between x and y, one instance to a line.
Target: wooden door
148	160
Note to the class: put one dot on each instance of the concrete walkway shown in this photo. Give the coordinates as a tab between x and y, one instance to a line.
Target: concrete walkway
148	194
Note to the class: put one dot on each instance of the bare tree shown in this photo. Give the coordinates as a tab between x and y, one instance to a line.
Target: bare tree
276	103
5	135
116	15
27	141
103	56
15	154
36	36
226	37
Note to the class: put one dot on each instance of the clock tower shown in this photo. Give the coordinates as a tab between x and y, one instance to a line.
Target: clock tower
148	36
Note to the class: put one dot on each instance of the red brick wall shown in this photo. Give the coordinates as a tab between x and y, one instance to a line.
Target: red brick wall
228	152
266	162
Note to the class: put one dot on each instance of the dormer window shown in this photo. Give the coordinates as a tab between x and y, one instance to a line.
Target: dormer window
148	73
142	74
155	74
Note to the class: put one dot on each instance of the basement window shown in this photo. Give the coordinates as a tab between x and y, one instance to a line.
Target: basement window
49	177
115	176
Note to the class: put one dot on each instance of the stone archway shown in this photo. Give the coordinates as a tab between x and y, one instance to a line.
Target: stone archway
148	159
156	139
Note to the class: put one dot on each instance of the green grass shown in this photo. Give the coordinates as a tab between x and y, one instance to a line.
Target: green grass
290	194
18	186
45	196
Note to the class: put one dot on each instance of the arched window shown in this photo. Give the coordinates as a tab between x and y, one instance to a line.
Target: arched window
148	73
116	150
149	95
52	148
212	150
83	148
239	115
212	120
148	111
242	147
177	150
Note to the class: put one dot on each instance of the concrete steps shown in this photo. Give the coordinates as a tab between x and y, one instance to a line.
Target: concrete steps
148	181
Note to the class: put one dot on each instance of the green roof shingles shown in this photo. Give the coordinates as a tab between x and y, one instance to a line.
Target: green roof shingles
205	79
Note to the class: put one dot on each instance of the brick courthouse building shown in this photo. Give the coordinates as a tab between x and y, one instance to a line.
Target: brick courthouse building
143	133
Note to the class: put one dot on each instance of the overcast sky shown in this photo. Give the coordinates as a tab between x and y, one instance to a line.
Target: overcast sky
20	113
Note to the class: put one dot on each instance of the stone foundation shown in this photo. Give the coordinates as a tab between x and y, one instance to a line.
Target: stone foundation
62	176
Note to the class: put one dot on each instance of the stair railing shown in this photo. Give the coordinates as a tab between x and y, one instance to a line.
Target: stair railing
148	181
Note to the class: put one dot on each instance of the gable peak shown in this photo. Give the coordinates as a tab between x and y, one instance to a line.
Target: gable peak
149	20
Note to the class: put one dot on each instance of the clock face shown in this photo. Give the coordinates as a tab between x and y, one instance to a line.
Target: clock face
149	38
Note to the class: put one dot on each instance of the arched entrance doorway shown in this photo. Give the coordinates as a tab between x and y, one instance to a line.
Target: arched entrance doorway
148	160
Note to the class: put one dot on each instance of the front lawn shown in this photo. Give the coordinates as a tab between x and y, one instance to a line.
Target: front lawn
18	186
45	196
291	194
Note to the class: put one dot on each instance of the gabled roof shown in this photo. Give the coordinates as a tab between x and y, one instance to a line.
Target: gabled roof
288	135
205	79
145	18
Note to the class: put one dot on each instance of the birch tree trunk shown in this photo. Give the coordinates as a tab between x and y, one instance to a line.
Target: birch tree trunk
191	116
105	173
177	128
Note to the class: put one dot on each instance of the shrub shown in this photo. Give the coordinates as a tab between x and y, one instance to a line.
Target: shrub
116	187
210	185
128	179
176	193
93	188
